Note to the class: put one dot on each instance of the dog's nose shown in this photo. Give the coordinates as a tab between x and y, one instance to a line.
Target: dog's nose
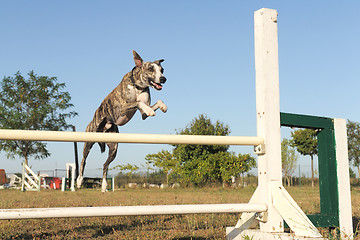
162	79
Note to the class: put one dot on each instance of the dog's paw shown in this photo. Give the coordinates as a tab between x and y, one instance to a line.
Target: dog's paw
104	186
145	109
162	106
150	112
79	181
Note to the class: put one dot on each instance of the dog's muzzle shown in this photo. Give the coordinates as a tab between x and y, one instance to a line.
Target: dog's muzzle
155	85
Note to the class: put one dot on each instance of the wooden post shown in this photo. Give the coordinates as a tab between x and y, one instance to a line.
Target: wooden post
342	160
281	207
268	112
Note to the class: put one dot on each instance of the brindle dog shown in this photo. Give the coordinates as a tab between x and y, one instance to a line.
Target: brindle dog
120	105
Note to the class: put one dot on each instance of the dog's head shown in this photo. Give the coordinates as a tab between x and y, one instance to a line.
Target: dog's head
151	73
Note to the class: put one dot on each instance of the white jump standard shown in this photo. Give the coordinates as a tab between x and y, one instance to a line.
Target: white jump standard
269	164
270	206
281	207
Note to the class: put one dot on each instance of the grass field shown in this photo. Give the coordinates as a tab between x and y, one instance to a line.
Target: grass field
180	227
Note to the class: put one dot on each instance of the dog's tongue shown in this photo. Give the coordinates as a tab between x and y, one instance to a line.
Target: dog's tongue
158	86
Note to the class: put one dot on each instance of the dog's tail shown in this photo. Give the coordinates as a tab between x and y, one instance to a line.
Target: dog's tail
102	146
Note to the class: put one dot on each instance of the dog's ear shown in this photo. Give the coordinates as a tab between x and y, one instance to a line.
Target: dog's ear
138	60
158	62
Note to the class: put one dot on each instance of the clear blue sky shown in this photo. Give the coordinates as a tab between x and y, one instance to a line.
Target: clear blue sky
208	47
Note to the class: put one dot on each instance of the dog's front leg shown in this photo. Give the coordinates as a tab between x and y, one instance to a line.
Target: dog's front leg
151	109
159	104
145	110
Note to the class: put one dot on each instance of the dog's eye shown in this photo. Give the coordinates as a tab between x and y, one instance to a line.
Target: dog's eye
162	70
151	69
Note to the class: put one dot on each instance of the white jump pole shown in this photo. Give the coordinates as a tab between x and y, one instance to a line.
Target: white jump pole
66	212
58	136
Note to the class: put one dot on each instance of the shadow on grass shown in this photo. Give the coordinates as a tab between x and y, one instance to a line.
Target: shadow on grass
87	231
189	238
106	228
356	226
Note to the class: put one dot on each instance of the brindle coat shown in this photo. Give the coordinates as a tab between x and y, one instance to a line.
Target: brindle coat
120	105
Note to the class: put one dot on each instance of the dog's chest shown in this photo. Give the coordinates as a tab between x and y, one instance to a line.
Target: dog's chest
137	95
133	95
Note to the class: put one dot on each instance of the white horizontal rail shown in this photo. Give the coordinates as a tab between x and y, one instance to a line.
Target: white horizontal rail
67	212
59	136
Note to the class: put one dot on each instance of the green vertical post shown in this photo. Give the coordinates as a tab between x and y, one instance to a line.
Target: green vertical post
327	166
329	197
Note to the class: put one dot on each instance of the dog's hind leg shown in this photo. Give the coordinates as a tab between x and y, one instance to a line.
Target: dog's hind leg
87	147
112	154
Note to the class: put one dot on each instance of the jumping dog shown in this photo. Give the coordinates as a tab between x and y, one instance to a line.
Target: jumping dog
120	105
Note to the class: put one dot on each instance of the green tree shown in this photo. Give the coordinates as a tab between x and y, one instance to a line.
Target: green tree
352	174
36	103
202	164
289	160
232	165
163	160
305	142
353	137
195	166
130	169
127	173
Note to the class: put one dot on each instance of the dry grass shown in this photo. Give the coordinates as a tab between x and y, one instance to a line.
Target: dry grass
203	226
